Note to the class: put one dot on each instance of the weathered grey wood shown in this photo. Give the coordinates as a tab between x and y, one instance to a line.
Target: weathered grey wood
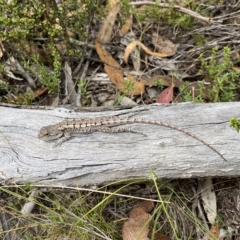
90	159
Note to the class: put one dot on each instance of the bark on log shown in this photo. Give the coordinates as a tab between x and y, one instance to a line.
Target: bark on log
97	158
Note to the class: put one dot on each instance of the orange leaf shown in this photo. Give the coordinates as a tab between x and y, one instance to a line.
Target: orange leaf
214	232
40	92
130	47
127	25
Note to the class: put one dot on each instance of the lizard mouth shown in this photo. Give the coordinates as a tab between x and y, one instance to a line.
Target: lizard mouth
50	137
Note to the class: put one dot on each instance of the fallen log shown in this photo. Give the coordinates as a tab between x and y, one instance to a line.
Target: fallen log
98	158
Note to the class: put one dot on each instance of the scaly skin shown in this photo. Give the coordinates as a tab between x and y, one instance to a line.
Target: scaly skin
62	130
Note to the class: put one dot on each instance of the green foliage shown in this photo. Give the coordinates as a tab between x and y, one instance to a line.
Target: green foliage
50	79
24	98
235	123
120	97
158	83
219	74
82	84
23	22
24	19
18	19
126	10
20	98
17	95
188	96
199	39
149	12
4	86
128	86
181	20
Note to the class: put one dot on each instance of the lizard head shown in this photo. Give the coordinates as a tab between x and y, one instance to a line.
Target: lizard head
49	133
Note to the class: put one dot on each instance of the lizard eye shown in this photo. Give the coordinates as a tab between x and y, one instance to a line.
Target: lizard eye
47	134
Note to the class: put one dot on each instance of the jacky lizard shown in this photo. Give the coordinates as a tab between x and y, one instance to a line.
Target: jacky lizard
62	130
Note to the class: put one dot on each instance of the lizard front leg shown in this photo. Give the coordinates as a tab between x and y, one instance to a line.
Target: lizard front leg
66	136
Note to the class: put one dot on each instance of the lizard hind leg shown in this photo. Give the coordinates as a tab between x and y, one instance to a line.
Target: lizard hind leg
119	130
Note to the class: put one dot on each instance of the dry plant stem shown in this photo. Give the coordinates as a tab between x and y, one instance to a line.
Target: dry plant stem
70	92
176	7
222	18
5	220
78	43
82	77
77	69
93	74
202	214
25	74
87	45
46	188
85	69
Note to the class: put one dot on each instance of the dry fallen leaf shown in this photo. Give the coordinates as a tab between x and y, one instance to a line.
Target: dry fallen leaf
115	73
132	46
236	69
111	66
166	96
126	26
137	226
159	236
214	232
40	92
164	46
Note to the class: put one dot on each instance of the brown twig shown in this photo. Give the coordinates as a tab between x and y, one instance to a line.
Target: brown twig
176	7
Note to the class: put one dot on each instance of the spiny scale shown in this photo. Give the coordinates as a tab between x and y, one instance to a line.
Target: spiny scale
103	124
